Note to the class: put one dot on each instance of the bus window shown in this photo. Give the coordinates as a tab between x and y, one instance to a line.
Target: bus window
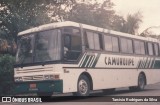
72	46
96	42
156	50
101	41
142	47
124	45
115	46
48	46
25	49
90	40
67	44
108	43
150	48
139	47
93	40
111	43
130	46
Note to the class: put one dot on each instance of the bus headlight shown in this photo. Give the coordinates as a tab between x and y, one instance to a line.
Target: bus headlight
46	77
18	79
51	77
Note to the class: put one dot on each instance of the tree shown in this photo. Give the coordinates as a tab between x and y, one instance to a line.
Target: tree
18	15
131	25
149	31
97	14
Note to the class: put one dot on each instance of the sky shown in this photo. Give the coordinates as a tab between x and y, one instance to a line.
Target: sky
150	10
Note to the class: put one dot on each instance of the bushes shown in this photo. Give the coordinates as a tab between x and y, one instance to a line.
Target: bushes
6	74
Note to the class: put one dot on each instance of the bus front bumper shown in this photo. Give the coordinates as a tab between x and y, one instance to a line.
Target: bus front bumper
39	87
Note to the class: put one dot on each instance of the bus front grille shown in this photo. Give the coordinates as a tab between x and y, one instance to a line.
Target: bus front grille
33	78
34	70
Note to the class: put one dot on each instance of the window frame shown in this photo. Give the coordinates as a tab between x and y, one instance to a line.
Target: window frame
100	43
152	48
145	53
111	35
157	49
63	36
127	45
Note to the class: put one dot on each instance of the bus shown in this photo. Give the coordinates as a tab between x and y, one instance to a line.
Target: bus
70	57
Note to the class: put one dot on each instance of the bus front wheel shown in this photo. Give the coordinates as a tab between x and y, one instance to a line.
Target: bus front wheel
83	86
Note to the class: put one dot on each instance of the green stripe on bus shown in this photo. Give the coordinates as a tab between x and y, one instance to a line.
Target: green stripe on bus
92	61
139	64
88	61
82	59
142	64
96	60
146	62
149	62
152	63
85	61
91	57
157	64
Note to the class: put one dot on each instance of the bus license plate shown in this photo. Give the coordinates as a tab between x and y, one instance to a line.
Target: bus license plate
33	86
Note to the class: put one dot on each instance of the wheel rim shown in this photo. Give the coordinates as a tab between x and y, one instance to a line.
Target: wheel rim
83	87
141	82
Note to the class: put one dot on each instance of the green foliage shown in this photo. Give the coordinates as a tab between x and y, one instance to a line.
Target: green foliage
131	25
18	15
97	14
6	74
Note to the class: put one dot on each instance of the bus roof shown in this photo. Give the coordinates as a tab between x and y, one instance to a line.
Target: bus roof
89	27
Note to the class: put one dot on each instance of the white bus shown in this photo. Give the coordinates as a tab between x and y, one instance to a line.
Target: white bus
72	57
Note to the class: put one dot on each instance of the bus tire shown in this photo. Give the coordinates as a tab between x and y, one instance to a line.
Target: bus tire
83	86
141	82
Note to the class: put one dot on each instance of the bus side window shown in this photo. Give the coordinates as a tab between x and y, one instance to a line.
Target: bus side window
111	43
156	49
86	40
67	41
101	41
72	45
139	47
92	40
67	44
142	45
150	48
126	46
115	46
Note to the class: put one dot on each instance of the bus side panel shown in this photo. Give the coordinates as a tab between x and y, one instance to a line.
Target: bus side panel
113	78
70	78
152	76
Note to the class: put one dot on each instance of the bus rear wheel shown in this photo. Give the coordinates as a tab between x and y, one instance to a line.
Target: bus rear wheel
141	83
83	86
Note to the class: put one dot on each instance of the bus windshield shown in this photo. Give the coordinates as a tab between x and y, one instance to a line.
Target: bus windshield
39	47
